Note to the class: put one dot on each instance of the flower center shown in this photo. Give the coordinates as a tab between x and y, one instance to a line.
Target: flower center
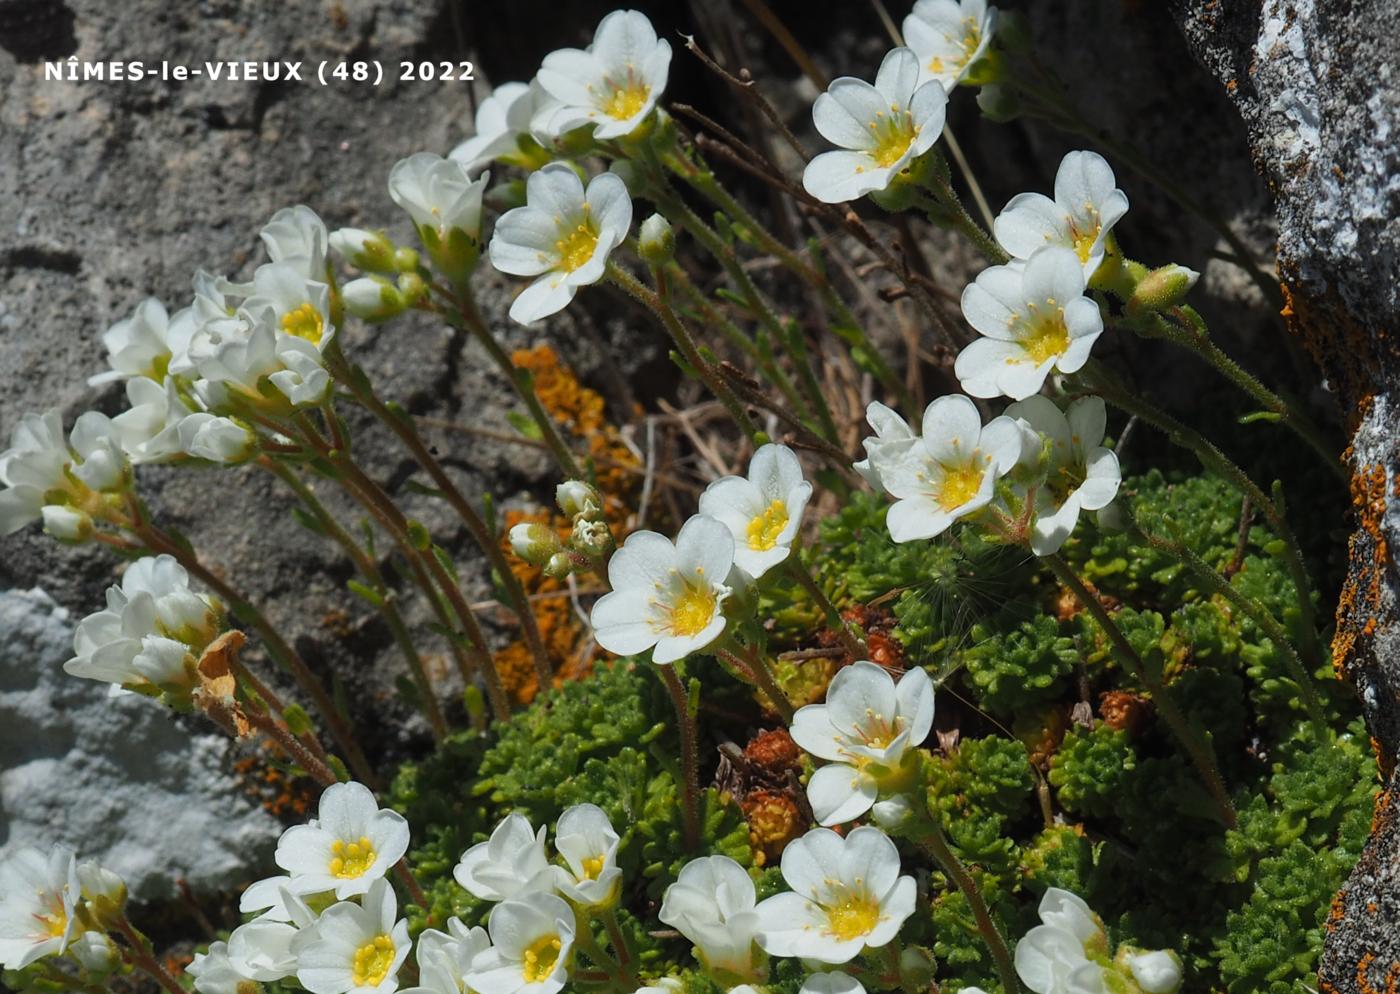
960	485
878	732
55	924
764	530
372	961
627	100
971	38
1046	332
304	322
1084	232
1065	481
352	859
857	915
538	962
893	132
592	867
576	246
692	610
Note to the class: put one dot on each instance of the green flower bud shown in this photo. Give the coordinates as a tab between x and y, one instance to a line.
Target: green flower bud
579	499
535	543
1161	289
656	242
367	250
560	565
372	298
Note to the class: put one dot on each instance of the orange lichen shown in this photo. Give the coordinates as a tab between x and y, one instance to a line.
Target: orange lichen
264	778
1124	710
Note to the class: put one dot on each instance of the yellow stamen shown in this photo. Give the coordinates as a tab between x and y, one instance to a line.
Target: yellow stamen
304	322
764	530
893	134
372	961
692	610
540	958
576	247
592	867
857	915
1085	234
626	100
1046	334
351	859
55	924
960	485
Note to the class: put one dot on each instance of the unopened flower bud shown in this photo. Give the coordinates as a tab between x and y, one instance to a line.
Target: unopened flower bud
94	953
533	542
916	969
406	259
892	812
560	565
1156	972
368	250
1162	288
372	298
656	242
67	524
411	288
999	103
217	439
578	499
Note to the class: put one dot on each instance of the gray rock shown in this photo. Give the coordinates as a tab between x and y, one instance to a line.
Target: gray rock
120	780
1318	87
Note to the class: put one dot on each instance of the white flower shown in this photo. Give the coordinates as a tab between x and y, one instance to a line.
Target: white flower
1056	957
614	83
762	512
266	950
666	596
297	236
893	436
500	119
304	381
948	36
846	895
217	439
511	862
214	972
356	948
532	940
585	838
666	985
1080	472
41	468
562	236
438	194
863	730
349	845
1087	205
712	904
444	958
880	129
152	632
300	308
1157	972
38	896
141	345
950	473
1035	318
834	982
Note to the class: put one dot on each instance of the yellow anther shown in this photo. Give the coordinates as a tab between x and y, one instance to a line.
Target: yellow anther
576	247
540	958
304	322
351	859
692	611
960	485
372	961
855	916
627	100
592	867
763	530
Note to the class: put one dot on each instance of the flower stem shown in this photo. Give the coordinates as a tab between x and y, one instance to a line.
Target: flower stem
385	596
937	847
1198	341
946	210
1250	606
294	749
659	304
401	424
1215	460
141	955
748	659
1196	746
690	760
469	317
855	647
621	945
